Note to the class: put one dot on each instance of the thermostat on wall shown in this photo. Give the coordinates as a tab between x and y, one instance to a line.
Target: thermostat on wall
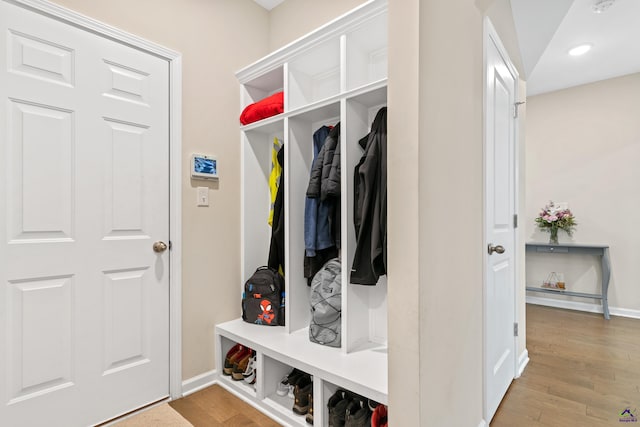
204	167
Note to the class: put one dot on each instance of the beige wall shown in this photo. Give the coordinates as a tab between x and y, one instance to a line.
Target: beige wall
404	215
435	294
583	147
293	19
201	31
501	17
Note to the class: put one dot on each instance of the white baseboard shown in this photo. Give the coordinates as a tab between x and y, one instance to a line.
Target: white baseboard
198	382
582	306
483	423
523	360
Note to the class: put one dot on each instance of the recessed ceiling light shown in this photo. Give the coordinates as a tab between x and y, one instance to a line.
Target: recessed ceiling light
601	6
580	50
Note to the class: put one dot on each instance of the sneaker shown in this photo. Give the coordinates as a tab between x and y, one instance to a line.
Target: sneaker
240	366
249	374
379	417
234	359
285	385
228	365
301	402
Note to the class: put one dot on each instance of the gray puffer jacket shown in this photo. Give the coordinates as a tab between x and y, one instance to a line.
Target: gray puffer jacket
325	175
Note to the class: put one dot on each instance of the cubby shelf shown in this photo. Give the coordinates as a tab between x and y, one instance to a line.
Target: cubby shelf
337	73
363	372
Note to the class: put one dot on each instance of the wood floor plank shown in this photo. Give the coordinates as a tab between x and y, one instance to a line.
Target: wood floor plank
214	406
583	371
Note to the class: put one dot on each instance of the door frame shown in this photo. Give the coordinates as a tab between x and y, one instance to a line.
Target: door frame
174	60
490	35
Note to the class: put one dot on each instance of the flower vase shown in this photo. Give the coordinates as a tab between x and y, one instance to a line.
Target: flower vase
553	238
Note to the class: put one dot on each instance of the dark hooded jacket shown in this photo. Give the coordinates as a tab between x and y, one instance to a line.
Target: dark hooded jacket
370	205
324	182
325	175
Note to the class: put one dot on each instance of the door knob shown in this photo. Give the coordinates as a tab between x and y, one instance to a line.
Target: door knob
491	249
159	247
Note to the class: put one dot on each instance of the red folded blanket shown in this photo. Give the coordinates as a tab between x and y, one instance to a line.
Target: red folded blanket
270	106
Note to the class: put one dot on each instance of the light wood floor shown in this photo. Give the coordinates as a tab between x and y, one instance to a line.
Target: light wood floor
583	372
214	407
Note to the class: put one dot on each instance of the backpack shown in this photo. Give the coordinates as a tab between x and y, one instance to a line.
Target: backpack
326	305
263	298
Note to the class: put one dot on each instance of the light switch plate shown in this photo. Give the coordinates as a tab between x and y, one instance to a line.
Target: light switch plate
203	196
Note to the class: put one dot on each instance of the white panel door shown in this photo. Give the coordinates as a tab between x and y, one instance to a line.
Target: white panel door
84	194
500	233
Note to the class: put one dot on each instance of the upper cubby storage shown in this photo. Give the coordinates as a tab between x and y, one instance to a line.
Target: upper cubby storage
366	53
262	85
314	75
347	54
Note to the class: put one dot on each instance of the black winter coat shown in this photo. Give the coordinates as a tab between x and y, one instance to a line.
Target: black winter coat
370	206
325	175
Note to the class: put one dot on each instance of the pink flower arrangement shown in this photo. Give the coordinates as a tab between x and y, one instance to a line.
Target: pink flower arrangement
552	218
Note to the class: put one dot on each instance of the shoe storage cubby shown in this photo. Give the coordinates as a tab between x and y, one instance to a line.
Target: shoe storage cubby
337	73
240	385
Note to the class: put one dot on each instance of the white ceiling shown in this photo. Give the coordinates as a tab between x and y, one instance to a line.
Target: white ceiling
268	4
547	29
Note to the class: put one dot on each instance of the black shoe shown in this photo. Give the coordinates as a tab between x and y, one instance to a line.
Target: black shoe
358	414
301	402
337	405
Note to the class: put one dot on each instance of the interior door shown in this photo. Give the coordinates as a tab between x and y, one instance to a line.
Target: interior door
500	231
84	303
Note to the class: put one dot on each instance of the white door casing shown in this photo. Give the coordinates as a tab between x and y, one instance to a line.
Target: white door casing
500	208
84	156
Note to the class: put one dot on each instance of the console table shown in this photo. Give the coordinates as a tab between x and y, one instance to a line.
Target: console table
573	248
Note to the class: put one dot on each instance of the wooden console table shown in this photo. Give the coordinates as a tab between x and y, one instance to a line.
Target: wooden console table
572	248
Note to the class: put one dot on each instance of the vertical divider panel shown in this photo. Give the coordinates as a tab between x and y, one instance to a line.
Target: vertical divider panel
320	399
299	148
343	63
355	315
285	87
261	375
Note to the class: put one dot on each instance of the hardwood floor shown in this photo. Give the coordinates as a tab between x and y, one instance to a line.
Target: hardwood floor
583	371
214	406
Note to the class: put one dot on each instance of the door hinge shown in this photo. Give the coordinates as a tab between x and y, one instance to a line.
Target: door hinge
515	329
515	221
515	108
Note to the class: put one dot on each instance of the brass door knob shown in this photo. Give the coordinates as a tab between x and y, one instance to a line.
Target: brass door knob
159	247
491	249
